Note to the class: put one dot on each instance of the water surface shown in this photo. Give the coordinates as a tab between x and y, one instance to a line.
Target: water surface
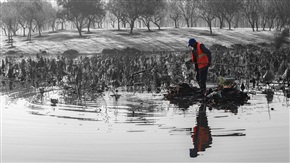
144	128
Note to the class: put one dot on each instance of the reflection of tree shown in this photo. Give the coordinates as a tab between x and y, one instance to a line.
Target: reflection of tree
201	136
269	96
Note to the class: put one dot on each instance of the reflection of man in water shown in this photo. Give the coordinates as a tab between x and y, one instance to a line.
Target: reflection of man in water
201	136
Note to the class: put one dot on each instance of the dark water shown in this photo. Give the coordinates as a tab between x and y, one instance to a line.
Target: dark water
143	128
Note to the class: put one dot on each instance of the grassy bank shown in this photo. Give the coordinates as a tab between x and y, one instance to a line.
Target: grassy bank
168	39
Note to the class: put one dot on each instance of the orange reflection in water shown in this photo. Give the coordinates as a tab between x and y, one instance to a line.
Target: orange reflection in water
201	136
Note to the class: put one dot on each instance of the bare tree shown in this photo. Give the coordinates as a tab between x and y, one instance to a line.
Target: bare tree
95	11
76	12
132	10
220	11
148	12
160	13
30	9
113	19
174	12
61	17
188	10
114	7
99	20
283	12
268	13
152	9
21	20
44	12
52	17
9	18
231	9
207	11
250	12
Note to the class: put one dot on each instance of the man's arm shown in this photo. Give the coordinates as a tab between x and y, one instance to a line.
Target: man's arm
207	52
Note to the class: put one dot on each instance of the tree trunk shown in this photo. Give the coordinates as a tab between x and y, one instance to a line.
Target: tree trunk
80	31
221	23
113	24
39	31
191	22
253	26
159	28
132	26
264	26
148	26
29	32
14	32
175	23
210	28
89	24
257	25
24	31
53	26
118	24
4	31
271	24
187	22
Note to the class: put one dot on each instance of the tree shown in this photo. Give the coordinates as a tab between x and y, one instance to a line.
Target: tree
188	10
174	12
9	19
250	12
21	19
95	11
283	13
44	14
207	11
132	10
159	14
231	9
99	20
114	7
52	17
268	13
61	17
150	9
29	14
113	19
76	12
220	11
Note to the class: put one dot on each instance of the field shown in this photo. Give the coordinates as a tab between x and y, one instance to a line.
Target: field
167	39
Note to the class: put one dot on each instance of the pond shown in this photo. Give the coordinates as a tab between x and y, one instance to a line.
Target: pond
142	127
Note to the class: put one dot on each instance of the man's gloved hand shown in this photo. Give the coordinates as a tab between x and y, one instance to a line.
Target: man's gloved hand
188	64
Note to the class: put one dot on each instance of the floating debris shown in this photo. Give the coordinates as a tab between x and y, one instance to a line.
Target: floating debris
184	96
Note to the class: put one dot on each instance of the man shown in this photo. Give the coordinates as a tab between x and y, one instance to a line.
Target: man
201	57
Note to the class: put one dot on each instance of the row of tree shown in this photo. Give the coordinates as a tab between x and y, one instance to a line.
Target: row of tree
35	14
29	15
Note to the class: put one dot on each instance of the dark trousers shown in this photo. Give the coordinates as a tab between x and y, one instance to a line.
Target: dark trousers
201	77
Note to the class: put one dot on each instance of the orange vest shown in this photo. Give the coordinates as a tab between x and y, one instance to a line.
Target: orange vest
202	59
203	137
